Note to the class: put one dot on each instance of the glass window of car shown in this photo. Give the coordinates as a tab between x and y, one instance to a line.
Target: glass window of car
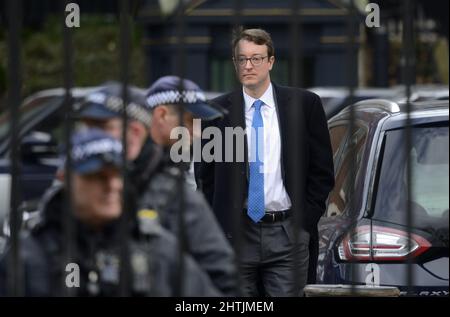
343	189
430	182
338	136
38	115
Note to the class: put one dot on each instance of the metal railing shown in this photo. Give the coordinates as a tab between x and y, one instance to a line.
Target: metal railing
15	275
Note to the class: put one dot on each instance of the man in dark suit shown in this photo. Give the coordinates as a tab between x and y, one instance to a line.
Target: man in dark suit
269	251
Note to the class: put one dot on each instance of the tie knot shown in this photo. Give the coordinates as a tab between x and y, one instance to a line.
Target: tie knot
258	104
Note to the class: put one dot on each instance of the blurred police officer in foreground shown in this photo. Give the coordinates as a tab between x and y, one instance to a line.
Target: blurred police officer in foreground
102	109
97	191
154	176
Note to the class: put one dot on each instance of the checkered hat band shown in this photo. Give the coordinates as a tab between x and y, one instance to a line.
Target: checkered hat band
174	97
115	104
95	148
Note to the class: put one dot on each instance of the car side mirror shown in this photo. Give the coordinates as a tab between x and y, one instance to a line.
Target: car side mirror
37	145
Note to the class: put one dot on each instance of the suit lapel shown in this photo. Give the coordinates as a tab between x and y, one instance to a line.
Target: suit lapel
282	99
285	98
236	103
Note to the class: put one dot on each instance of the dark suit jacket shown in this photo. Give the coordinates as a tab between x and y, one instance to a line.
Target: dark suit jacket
313	177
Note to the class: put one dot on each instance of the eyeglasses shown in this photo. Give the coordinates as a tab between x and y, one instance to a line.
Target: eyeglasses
255	60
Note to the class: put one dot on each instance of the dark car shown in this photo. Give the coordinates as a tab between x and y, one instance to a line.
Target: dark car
41	132
334	99
364	236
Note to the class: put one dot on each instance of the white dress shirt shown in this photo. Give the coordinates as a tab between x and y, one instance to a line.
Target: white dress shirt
275	195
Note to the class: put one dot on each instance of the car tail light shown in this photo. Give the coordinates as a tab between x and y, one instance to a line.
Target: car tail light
382	244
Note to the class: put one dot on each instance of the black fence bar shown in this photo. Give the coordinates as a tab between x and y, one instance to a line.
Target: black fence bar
351	84
235	193
127	213
67	215
15	272
408	77
296	39
294	128
181	72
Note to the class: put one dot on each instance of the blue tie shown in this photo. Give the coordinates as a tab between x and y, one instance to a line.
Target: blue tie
255	204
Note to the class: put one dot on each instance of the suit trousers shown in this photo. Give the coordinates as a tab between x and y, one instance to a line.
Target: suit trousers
269	255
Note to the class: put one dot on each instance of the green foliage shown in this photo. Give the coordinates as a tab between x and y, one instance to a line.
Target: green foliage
96	50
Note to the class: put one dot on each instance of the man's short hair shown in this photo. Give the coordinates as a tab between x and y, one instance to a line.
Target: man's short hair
257	36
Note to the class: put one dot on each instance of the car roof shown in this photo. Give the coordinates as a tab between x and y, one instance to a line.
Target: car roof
342	92
396	91
396	113
77	92
420	113
55	92
399	107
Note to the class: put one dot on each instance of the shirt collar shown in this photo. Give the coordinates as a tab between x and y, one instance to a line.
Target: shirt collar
267	98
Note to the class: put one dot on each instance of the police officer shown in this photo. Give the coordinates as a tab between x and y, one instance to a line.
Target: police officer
102	109
97	192
154	176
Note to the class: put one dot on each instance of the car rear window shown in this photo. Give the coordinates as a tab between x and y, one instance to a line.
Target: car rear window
27	112
430	178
